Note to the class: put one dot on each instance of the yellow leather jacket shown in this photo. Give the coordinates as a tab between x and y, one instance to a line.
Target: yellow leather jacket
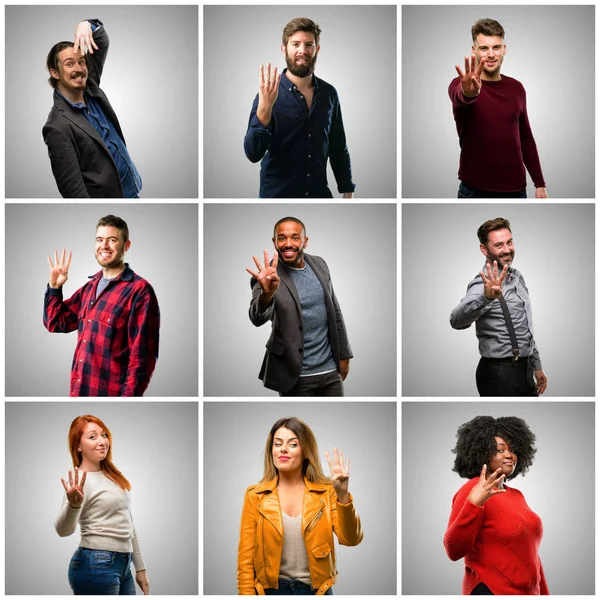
261	535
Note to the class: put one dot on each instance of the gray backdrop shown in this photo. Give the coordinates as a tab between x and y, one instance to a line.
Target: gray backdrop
155	445
164	250
235	434
547	47
150	77
554	250
559	487
358	242
357	57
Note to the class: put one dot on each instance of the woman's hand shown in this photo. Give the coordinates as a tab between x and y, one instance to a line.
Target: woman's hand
74	490
142	580
340	474
484	489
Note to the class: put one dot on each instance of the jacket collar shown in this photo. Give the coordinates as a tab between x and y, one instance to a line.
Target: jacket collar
126	274
271	486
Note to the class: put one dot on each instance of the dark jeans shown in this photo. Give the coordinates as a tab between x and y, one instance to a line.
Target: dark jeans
481	590
505	377
328	384
294	587
101	573
466	191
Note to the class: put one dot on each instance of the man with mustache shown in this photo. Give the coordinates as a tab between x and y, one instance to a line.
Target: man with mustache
296	123
115	314
498	301
490	110
86	146
308	353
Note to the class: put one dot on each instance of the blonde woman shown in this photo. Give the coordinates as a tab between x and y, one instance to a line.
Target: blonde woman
289	518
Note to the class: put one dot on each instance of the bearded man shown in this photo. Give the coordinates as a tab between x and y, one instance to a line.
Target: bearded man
296	123
115	314
86	146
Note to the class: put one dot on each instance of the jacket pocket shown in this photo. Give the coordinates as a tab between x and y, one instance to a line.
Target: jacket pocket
322	550
275	347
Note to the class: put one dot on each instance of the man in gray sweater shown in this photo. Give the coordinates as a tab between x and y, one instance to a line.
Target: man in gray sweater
308	353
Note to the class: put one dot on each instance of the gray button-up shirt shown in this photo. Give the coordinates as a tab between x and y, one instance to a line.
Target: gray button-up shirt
490	326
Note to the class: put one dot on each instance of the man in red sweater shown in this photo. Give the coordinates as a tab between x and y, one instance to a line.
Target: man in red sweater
490	111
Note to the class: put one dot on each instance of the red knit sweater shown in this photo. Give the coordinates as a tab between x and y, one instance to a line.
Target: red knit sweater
495	137
499	541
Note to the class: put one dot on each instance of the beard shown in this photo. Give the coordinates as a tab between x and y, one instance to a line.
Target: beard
492	72
506	259
116	261
302	69
291	262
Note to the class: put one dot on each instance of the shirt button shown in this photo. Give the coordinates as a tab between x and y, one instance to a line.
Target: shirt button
308	174
89	320
306	194
309	156
301	96
290	89
79	381
108	319
81	360
309	135
84	341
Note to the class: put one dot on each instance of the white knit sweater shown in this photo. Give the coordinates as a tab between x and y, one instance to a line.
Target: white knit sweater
104	518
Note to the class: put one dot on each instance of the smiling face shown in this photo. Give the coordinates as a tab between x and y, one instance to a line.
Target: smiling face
301	53
94	445
72	71
290	241
491	50
503	459
110	246
287	452
499	247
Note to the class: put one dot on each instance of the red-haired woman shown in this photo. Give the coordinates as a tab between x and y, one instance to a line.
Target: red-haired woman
97	497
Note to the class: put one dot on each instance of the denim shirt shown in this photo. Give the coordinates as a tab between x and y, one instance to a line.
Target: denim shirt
91	110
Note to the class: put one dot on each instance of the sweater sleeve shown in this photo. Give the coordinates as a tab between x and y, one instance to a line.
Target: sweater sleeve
529	148
464	524
544	591
67	519
346	522
458	99
138	559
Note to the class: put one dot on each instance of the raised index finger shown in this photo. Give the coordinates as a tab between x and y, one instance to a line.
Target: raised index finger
266	257
275	260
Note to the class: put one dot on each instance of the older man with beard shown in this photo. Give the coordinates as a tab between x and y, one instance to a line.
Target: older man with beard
116	315
86	146
499	304
296	123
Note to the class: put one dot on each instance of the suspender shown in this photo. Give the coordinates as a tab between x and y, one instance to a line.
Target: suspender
510	327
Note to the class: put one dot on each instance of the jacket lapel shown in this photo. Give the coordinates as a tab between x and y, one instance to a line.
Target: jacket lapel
269	506
286	278
314	502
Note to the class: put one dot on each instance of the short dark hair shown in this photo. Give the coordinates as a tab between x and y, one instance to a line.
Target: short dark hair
486	27
112	221
289	219
492	225
301	24
52	61
476	444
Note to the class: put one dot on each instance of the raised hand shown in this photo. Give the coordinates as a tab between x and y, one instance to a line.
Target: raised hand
74	490
268	90
84	38
470	80
59	270
484	489
492	283
267	275
340	474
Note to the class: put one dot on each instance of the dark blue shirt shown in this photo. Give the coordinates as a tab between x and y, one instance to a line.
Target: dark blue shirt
92	111
297	143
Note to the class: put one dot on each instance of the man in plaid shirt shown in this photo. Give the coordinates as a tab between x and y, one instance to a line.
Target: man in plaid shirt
116	316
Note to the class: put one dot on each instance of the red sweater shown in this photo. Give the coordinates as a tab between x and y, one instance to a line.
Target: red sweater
495	137
499	541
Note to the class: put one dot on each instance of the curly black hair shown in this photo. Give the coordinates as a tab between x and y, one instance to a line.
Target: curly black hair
476	444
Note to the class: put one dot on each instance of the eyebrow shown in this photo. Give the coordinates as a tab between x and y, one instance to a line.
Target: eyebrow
280	440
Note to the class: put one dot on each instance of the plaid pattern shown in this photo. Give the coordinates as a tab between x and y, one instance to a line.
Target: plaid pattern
117	342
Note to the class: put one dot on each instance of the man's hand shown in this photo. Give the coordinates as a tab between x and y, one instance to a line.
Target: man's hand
541	381
541	192
267	277
268	90
492	284
344	368
470	80
59	271
84	38
142	580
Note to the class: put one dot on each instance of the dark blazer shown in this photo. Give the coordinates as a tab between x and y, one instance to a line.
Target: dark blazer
82	164
282	363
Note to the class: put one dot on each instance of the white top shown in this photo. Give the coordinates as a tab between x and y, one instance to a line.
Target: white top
104	518
294	561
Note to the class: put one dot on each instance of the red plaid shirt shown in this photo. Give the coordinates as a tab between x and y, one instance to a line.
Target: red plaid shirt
117	342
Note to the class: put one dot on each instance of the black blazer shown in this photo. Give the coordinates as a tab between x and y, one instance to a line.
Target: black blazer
82	164
282	363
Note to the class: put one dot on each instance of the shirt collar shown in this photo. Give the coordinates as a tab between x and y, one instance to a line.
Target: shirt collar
79	105
289	85
126	274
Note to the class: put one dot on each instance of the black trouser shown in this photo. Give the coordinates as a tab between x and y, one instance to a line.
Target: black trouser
328	384
481	590
505	377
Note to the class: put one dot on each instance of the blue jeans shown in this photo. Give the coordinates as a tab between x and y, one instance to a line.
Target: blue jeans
466	191
101	572
294	587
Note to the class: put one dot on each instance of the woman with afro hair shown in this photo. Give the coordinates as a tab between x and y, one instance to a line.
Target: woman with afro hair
490	524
